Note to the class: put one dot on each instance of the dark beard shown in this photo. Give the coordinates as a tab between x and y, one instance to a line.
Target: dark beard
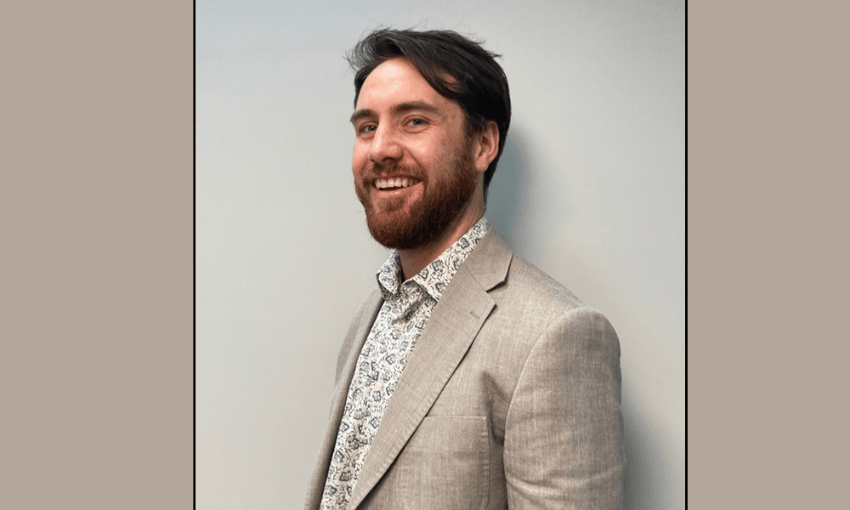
444	198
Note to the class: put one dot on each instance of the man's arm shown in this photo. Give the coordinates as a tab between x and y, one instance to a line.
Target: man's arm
564	428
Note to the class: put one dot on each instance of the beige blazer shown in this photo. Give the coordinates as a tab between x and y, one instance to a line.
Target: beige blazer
510	399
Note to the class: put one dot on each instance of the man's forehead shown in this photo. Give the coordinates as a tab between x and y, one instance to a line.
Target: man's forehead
398	86
397	77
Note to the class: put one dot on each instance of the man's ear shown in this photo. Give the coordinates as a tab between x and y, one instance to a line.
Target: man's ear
486	146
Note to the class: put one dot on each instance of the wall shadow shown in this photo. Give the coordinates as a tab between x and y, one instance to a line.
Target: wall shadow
504	194
647	480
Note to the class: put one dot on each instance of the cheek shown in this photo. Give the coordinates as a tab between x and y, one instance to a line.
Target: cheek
359	159
423	154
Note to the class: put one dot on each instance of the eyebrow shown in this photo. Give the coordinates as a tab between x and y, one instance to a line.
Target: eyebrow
397	109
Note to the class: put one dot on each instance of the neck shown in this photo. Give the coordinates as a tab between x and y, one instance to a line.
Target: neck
416	259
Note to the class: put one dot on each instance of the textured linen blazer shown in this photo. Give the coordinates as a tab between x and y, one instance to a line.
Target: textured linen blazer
509	399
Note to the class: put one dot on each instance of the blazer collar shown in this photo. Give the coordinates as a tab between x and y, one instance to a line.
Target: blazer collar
489	262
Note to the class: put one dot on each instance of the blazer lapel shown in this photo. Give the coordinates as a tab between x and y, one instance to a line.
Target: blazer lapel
352	345
456	320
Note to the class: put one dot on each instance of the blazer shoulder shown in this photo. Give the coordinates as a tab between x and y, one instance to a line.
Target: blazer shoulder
527	299
528	283
530	302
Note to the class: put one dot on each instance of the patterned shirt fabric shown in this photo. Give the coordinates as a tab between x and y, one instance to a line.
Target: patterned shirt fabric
407	307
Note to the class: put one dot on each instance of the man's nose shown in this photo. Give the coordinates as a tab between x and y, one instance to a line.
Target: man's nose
385	145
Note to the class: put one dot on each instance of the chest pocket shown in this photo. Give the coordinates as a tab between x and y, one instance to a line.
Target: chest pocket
446	464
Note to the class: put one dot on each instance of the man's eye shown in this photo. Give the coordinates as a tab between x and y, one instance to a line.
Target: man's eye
368	128
417	122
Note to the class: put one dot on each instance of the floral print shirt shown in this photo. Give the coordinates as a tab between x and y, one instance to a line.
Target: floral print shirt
406	308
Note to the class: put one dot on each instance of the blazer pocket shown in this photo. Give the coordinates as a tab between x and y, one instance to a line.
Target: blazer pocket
446	464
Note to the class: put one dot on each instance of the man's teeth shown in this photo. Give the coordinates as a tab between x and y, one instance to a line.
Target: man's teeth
398	182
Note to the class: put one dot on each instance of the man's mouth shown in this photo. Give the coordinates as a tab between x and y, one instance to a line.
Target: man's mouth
395	183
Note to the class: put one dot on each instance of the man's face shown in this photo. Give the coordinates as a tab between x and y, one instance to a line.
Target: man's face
413	165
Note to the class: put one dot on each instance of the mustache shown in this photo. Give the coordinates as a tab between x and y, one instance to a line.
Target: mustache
393	169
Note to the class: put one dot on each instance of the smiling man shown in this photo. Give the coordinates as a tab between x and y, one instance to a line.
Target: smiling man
468	378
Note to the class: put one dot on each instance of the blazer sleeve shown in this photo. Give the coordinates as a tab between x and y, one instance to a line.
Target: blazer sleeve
564	427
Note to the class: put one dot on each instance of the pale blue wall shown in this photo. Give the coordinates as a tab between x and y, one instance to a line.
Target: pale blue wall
590	188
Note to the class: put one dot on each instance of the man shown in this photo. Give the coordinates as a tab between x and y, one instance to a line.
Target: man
468	379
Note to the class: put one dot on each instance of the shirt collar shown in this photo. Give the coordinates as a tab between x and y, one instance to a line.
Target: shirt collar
434	278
